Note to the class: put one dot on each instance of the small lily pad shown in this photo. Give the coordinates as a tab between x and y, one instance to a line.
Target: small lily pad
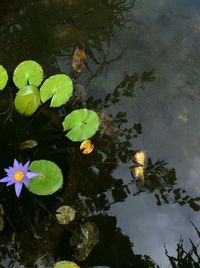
28	72
66	264
84	239
82	124
27	100
3	77
50	179
59	87
65	214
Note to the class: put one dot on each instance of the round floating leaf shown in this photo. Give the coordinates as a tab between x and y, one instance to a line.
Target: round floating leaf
65	214
59	87
66	264
50	179
3	77
28	72
27	100
82	124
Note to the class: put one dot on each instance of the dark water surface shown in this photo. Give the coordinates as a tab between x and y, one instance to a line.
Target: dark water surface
143	77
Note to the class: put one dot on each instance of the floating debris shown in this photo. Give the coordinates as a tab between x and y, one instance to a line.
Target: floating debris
78	60
29	144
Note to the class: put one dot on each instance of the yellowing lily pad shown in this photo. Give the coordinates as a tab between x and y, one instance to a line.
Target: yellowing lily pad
82	124
3	77
50	179
59	87
87	147
65	214
66	264
27	100
28	72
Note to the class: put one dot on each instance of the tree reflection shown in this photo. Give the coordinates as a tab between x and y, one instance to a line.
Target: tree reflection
185	258
49	30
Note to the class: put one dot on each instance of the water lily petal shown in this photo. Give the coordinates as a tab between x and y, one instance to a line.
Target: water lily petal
27	165
10	183
18	188
26	182
5	179
32	174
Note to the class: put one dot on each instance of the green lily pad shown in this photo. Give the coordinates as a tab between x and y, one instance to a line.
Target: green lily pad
50	179
59	87
84	239
3	77
65	214
66	264
28	72
27	100
82	124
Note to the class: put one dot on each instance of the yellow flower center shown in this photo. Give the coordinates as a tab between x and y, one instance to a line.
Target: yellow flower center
19	175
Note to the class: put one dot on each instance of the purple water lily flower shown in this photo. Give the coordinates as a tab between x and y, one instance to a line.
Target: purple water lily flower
18	175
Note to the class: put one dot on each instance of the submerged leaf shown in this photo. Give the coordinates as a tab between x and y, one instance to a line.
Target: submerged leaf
59	87
78	60
3	77
27	100
66	264
139	158
1	223
50	179
84	239
87	147
65	214
82	124
28	144
28	72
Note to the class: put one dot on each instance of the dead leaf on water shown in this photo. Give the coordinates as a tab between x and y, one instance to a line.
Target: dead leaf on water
28	144
139	158
138	172
78	60
87	147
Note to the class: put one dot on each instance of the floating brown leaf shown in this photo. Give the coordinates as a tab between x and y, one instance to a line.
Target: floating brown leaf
87	147
78	60
138	172
139	158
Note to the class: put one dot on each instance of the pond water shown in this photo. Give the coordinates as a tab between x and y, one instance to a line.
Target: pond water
142	75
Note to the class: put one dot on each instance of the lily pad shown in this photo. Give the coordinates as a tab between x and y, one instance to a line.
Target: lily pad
50	179
65	214
59	87
27	100
84	239
66	264
3	77
82	124
28	72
